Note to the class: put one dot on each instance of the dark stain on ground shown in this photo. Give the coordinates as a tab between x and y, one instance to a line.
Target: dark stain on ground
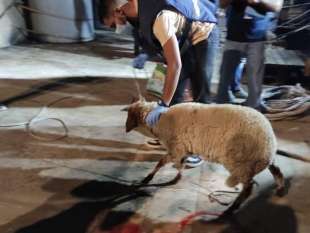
97	197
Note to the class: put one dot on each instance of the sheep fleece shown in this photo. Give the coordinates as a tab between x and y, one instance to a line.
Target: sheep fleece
239	138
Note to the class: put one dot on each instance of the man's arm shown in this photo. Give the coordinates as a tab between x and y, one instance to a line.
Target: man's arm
174	65
172	55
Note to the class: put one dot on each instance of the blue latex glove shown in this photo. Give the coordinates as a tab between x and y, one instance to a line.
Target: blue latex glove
153	117
140	60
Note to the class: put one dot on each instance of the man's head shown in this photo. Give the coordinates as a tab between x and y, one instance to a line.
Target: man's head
118	11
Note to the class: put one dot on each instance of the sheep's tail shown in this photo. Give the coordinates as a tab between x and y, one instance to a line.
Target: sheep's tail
279	179
293	156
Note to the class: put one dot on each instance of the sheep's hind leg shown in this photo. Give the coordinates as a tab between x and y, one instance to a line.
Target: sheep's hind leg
150	176
232	181
278	176
243	196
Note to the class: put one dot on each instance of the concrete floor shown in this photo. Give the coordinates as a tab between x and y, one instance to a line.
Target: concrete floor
82	182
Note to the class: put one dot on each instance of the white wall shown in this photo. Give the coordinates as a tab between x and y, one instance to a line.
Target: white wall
10	20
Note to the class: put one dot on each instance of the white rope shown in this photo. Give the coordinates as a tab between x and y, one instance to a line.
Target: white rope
286	101
296	5
36	118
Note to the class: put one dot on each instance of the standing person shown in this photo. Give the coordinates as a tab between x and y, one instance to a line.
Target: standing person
170	27
247	24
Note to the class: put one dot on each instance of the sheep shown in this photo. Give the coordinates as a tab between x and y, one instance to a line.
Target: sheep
240	138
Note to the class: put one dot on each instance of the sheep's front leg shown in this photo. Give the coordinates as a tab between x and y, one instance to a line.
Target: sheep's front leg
179	166
150	176
175	150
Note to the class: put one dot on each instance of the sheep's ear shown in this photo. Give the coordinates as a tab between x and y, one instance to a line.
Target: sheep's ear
134	99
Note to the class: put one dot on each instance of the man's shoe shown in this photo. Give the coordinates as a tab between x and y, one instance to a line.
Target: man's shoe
240	94
3	107
193	161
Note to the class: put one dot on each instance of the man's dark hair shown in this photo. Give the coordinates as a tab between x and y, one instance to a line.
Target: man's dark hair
105	7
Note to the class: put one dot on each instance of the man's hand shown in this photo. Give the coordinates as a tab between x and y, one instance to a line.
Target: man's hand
153	117
139	61
120	17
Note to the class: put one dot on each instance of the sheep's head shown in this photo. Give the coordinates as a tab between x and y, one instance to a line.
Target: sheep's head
137	112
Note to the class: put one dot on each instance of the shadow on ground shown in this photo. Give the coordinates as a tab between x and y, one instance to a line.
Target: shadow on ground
260	215
96	213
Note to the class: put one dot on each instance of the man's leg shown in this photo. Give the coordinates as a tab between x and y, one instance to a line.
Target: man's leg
206	62
255	73
199	76
231	58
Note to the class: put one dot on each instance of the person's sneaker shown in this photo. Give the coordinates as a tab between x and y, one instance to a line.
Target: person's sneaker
193	161
231	97
240	94
3	107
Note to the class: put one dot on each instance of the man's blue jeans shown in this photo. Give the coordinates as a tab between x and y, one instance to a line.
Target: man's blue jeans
198	65
236	82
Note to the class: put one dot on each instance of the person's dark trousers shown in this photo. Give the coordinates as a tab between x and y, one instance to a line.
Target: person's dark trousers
198	65
254	52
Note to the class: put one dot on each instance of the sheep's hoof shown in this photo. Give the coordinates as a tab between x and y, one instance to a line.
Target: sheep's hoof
176	179
232	181
228	213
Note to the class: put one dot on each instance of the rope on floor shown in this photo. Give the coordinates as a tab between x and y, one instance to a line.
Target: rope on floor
37	118
284	102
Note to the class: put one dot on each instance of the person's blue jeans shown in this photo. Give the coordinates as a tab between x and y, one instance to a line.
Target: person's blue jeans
198	65
236	82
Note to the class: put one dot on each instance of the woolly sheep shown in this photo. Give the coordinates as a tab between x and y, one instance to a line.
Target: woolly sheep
239	138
